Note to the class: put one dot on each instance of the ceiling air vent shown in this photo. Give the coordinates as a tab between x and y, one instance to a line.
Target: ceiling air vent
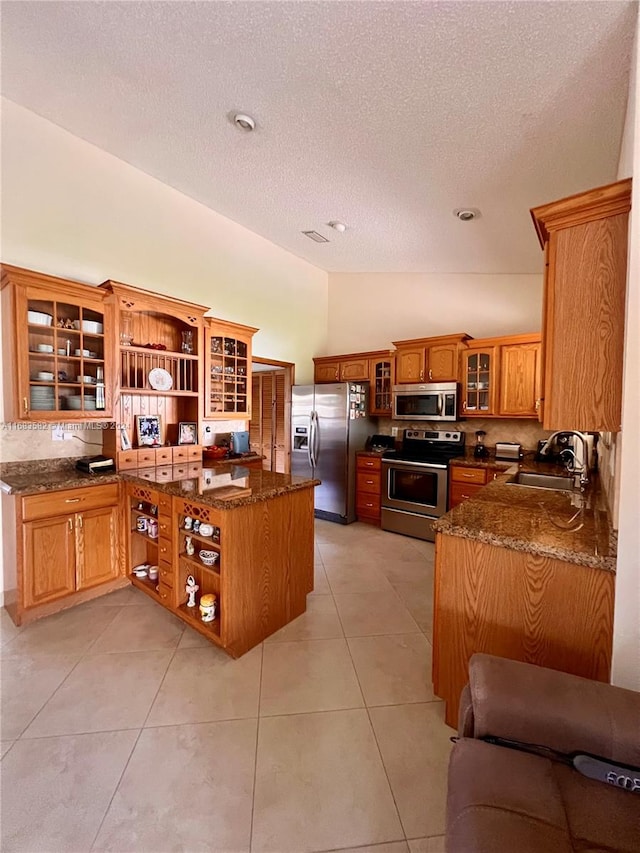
313	235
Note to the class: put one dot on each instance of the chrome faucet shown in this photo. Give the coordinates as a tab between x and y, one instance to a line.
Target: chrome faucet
579	464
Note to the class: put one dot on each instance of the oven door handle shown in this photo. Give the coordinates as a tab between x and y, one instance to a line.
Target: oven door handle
390	462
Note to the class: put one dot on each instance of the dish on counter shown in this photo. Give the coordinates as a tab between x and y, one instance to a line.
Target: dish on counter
160	379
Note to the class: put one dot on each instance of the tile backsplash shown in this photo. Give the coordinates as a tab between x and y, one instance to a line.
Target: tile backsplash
20	442
526	432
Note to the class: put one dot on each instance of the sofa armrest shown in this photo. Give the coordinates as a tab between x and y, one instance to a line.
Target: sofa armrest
533	704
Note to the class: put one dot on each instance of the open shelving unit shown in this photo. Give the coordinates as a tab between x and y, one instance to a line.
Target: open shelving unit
156	332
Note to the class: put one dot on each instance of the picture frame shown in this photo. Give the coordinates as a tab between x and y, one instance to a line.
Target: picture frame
125	441
149	430
187	432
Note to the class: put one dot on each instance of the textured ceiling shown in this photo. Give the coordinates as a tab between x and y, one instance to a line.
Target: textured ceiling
386	115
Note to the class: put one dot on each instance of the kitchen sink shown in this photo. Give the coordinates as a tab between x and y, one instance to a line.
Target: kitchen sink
541	481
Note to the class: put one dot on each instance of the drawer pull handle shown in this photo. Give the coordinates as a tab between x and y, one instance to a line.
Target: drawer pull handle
72	500
465	496
369	482
368	504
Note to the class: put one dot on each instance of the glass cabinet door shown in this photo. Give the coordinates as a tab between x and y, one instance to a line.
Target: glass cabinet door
380	389
229	367
479	382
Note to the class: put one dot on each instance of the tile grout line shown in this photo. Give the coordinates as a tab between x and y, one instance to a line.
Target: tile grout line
64	680
255	757
375	737
133	748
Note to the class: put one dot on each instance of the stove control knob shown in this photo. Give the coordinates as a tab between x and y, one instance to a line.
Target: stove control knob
447	435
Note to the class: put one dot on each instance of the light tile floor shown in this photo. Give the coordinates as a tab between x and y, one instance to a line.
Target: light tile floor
124	731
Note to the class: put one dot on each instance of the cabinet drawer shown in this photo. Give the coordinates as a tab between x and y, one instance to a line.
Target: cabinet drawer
458	493
166	594
164	528
49	504
469	475
368	505
127	459
180	454
165	573
368	482
368	463
146	458
164	549
164	456
194	453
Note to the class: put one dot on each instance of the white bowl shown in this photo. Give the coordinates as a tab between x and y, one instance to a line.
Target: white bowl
87	380
85	352
206	530
39	318
45	347
44	376
208	557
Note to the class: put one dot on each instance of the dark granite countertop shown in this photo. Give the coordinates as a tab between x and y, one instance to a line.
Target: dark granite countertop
32	477
570	526
211	484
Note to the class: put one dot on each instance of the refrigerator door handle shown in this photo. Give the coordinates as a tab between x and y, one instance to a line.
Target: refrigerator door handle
315	438
311	447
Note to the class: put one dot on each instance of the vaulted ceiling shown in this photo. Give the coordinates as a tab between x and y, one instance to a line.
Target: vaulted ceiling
384	115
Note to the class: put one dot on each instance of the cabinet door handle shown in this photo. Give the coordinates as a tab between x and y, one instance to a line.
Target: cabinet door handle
80	522
430	375
466	496
70	520
537	404
464	406
421	375
25	405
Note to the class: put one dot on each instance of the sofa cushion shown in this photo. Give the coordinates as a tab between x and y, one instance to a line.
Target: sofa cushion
501	800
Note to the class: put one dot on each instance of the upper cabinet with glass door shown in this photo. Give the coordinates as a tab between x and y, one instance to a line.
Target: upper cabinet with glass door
57	347
227	350
479	377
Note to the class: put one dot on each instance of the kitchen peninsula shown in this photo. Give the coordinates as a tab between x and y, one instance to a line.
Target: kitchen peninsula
95	530
523	573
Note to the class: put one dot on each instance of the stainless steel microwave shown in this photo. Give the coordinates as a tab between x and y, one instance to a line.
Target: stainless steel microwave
428	401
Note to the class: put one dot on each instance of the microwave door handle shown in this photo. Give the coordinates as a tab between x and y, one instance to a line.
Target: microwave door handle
440	404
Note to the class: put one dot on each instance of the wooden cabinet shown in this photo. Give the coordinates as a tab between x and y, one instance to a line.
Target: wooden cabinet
465	482
227	369
479	380
429	359
342	368
501	377
520	377
159	341
514	604
368	488
260	581
585	241
54	577
381	379
57	348
68	543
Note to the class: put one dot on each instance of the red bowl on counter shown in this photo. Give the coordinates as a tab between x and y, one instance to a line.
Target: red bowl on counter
215	452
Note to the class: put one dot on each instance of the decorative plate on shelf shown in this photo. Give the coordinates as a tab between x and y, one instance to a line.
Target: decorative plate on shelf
160	379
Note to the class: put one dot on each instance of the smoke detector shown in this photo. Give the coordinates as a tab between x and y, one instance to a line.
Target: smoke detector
244	122
337	226
466	214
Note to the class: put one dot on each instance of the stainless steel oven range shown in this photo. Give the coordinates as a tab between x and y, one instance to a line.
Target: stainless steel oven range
415	481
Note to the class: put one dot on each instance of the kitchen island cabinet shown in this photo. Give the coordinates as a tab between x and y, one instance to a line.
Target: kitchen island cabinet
523	575
262	533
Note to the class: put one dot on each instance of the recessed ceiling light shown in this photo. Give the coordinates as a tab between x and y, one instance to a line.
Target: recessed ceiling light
313	235
244	122
466	214
337	225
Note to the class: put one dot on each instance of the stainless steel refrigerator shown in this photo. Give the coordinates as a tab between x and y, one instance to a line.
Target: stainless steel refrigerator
330	423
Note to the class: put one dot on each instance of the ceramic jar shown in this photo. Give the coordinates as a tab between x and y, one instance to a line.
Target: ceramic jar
208	607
